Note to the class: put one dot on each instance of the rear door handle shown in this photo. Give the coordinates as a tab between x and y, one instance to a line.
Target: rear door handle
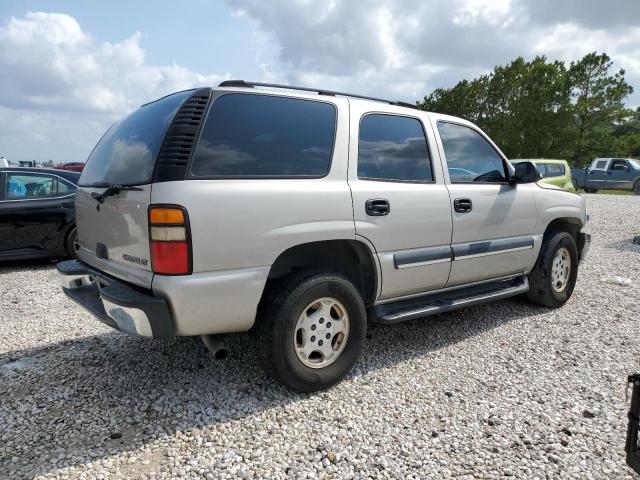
377	207
462	205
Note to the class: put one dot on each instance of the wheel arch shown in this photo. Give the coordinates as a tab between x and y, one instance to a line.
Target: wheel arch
571	225
352	258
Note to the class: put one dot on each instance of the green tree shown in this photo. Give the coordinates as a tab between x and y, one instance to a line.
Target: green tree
544	109
597	104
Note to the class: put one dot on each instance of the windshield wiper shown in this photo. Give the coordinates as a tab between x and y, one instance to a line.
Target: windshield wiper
110	191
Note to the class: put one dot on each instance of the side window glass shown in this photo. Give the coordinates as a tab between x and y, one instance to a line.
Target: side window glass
391	147
618	165
25	186
601	164
541	169
555	170
65	188
470	158
249	135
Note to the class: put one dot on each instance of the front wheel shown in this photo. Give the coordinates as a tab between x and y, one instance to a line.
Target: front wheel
636	188
311	330
591	190
553	278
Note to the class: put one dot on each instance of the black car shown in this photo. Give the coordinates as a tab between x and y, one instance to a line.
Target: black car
37	213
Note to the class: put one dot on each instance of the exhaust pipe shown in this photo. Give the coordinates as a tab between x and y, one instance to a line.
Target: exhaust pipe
215	346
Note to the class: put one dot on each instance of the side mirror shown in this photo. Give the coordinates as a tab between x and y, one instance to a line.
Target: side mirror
526	172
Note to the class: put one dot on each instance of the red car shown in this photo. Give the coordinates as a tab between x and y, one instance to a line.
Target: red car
71	166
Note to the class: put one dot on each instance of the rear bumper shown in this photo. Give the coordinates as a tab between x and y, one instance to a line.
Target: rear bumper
584	244
115	303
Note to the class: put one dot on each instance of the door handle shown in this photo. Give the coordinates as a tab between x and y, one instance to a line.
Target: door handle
377	207
462	205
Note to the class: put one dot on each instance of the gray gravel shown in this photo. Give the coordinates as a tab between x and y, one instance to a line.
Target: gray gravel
499	390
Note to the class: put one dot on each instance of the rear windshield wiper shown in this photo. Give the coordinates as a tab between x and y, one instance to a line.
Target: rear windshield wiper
110	191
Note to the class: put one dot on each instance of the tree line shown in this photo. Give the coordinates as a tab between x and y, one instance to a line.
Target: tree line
544	109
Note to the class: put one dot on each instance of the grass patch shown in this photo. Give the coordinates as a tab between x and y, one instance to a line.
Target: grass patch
610	192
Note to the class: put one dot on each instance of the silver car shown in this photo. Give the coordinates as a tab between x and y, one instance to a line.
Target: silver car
303	214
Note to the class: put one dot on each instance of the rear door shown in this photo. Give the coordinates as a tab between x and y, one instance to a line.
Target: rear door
112	222
400	202
493	221
596	177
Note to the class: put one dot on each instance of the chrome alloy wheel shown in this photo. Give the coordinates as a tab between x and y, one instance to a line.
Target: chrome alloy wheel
561	270
321	333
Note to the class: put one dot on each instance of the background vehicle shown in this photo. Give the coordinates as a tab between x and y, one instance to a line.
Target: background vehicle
553	172
4	162
302	214
71	166
37	213
28	163
609	173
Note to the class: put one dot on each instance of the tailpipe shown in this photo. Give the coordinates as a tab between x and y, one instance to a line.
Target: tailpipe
215	346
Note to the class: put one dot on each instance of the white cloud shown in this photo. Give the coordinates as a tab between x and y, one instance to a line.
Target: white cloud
60	88
406	48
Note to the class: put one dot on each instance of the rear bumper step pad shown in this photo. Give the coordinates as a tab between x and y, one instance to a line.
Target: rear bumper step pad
116	303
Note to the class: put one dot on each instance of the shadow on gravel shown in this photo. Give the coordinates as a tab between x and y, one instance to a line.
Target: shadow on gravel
31	264
89	398
624	246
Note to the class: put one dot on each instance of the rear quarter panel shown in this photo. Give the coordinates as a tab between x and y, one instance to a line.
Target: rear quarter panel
239	227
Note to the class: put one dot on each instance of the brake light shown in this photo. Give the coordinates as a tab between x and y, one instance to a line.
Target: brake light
169	240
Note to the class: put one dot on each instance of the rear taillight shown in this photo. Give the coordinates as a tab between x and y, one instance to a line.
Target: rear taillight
169	240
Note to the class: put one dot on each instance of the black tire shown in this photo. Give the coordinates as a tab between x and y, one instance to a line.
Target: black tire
541	290
71	243
636	187
591	190
282	306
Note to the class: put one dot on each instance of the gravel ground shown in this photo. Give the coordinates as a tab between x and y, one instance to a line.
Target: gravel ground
504	389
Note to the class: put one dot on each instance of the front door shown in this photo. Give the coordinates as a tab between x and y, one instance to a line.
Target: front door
493	220
400	202
32	212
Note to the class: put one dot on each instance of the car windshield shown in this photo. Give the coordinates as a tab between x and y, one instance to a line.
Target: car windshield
635	164
126	154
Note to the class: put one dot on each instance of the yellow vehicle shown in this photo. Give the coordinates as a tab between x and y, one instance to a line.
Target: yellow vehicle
555	172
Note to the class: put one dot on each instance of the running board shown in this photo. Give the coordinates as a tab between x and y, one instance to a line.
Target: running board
444	302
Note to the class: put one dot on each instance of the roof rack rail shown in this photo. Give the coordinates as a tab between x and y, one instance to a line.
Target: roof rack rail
245	84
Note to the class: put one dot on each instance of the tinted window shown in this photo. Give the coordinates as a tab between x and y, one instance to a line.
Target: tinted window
126	154
541	169
469	155
393	148
265	136
555	170
27	186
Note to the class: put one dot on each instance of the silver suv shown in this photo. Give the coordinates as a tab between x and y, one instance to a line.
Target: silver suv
302	214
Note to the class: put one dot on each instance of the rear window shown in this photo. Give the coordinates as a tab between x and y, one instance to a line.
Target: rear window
126	154
601	164
247	135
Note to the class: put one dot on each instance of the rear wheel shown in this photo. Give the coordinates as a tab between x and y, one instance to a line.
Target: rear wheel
72	246
636	188
311	330
553	278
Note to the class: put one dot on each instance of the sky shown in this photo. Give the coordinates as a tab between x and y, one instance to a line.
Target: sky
69	69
